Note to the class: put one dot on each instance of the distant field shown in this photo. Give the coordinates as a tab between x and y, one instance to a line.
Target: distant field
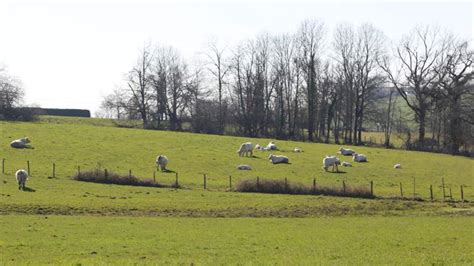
155	223
144	240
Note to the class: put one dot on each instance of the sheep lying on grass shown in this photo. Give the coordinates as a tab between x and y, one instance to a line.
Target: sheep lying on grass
331	161
397	166
343	151
346	164
245	149
278	159
20	143
271	146
296	149
21	177
359	158
161	162
244	167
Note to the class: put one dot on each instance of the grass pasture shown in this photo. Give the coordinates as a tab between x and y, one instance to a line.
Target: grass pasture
63	221
339	240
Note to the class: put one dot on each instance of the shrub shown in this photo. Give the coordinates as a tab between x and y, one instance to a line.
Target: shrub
106	177
284	187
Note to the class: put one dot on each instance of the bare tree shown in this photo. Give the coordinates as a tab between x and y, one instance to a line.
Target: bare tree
115	105
454	87
219	71
139	84
310	38
417	71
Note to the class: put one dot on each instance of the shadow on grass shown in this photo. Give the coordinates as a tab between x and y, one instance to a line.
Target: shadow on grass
27	189
167	171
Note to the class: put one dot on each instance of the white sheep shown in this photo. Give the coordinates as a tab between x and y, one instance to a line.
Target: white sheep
244	167
359	157
346	164
397	166
258	147
245	148
20	143
278	159
296	149
21	177
331	161
271	146
161	162
343	151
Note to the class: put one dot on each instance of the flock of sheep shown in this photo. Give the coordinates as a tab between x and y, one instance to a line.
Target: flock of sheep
246	149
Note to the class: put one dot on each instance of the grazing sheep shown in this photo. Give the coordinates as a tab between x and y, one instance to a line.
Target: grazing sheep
359	158
343	151
331	161
296	149
161	162
244	167
278	159
21	177
20	143
271	146
397	166
346	164
245	148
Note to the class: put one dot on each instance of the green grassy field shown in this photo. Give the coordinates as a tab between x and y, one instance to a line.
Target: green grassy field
226	223
144	240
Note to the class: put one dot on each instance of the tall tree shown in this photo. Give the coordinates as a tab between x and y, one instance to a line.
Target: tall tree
219	71
310	38
454	87
417	71
139	84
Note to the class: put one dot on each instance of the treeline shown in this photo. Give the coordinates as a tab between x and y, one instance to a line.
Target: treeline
305	86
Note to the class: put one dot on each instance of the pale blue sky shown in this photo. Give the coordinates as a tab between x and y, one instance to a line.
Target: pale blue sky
70	54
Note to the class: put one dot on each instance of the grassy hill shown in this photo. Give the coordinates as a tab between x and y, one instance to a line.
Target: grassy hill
92	143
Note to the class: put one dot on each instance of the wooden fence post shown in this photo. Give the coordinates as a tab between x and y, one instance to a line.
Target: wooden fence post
401	190
450	194
343	186
28	163
3	166
286	183
106	174
431	192
258	183
54	170
444	191
230	182
462	194
314	185
130	174
154	176
176	182
205	185
372	188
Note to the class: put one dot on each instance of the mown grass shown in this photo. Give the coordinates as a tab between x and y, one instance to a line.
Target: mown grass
144	240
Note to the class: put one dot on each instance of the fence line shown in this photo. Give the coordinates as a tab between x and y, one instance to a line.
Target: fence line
371	184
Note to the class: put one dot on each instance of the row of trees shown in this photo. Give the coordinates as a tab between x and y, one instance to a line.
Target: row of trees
304	86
